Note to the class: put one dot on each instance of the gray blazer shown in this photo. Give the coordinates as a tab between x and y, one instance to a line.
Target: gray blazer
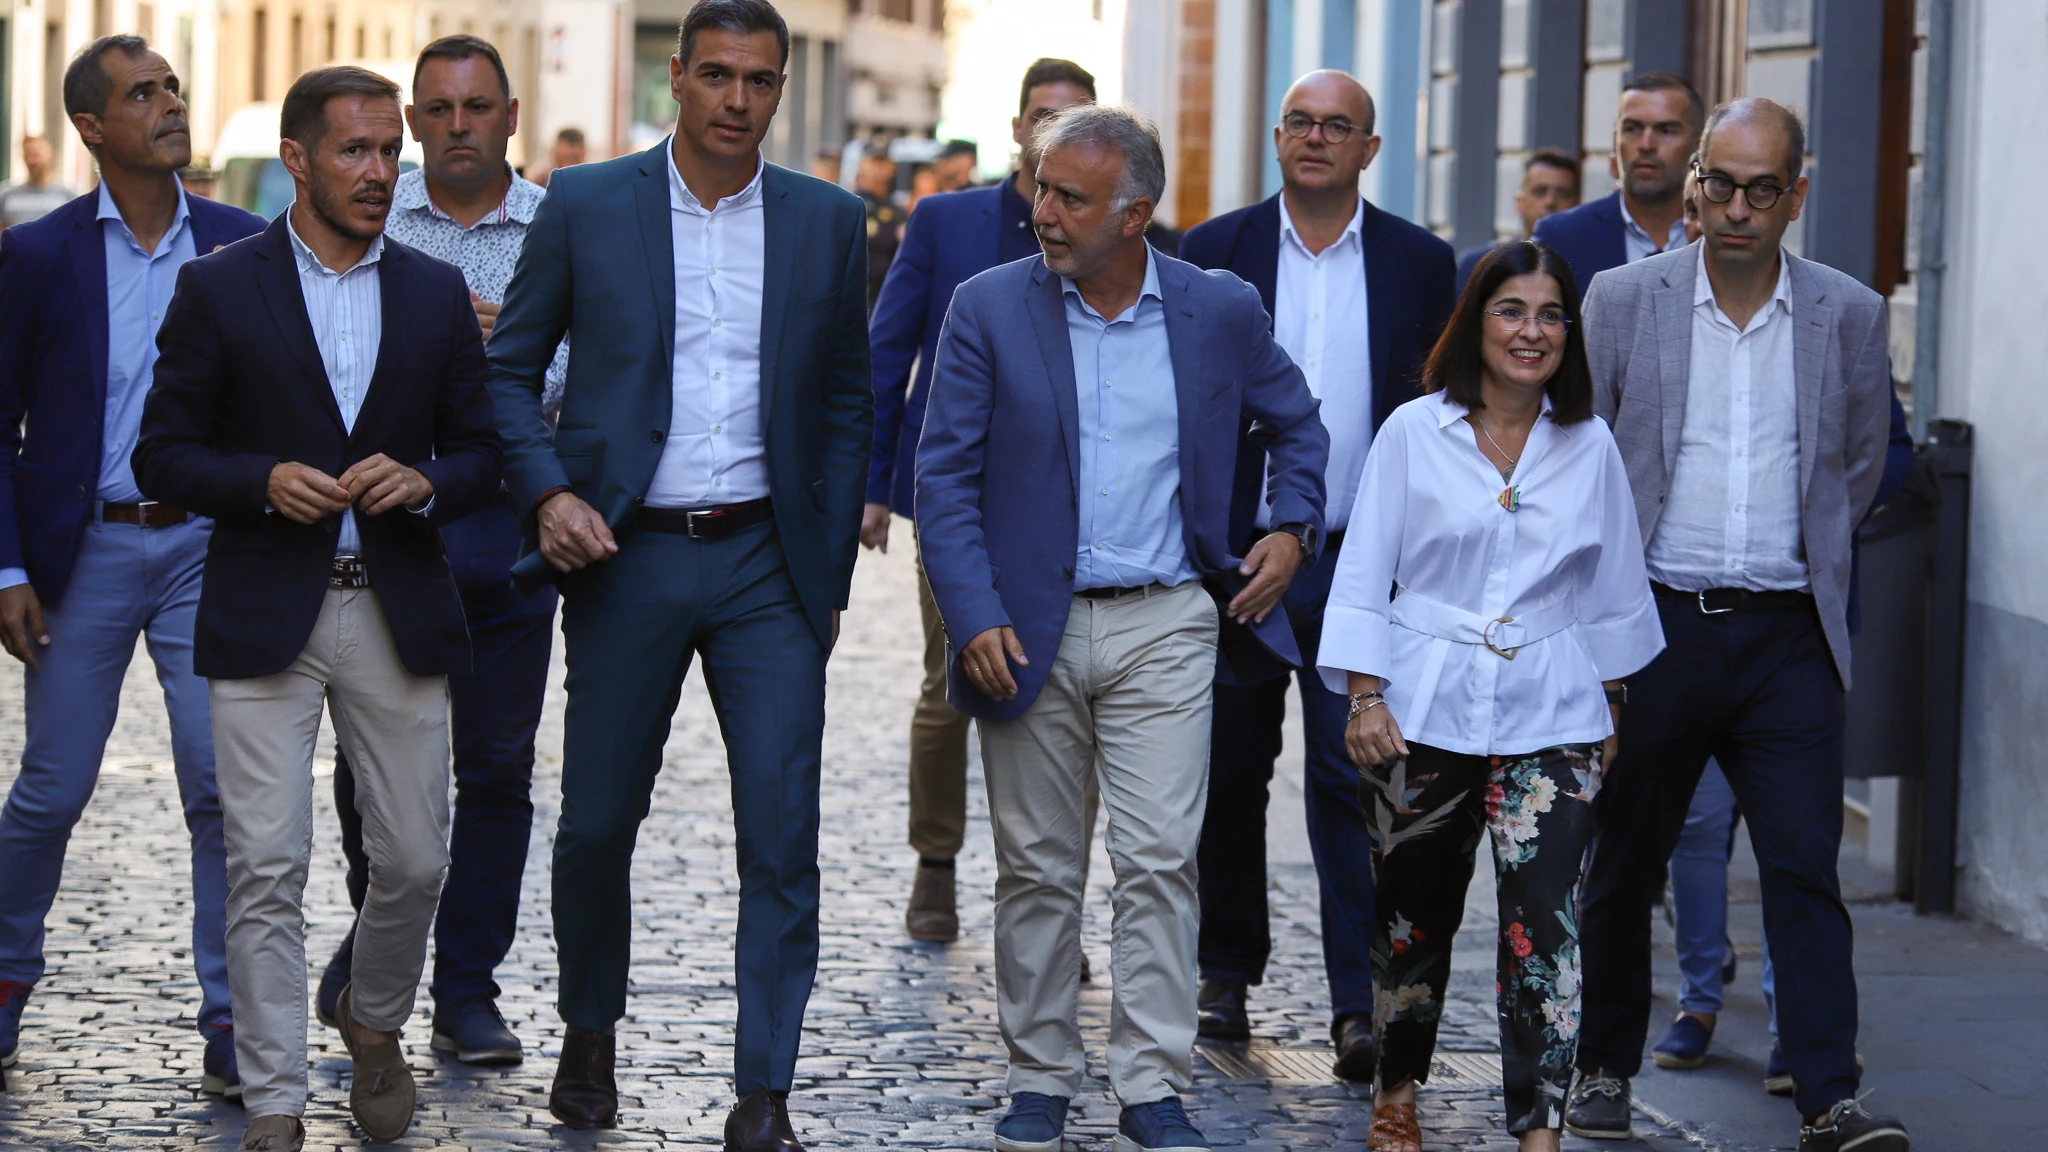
1638	329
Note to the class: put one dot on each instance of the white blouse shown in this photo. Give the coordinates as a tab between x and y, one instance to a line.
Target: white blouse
1549	569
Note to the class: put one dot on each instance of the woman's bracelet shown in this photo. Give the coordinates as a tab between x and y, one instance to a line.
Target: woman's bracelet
1363	702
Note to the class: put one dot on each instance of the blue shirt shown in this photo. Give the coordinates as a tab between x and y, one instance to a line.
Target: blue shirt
346	310
139	286
1130	443
1638	244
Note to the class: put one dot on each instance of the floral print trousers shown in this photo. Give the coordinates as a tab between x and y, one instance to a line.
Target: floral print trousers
1428	815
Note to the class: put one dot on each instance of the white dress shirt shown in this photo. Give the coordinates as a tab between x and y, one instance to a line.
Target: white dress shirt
1731	518
1559	581
714	453
347	313
1320	318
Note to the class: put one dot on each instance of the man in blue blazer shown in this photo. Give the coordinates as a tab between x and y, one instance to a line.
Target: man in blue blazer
949	239
701	498
85	562
1656	131
1073	499
1358	297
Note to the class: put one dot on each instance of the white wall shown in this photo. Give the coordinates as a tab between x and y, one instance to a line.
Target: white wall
1994	374
586	59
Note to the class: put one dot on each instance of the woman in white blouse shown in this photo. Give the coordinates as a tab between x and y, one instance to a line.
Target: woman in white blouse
1490	598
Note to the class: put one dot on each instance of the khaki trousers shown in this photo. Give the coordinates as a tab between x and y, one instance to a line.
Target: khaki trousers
1128	702
393	726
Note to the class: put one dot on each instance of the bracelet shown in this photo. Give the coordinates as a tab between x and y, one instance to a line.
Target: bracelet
1363	702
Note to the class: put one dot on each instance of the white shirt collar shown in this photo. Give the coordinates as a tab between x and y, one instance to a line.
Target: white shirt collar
308	262
681	198
1703	288
1352	230
522	198
1449	412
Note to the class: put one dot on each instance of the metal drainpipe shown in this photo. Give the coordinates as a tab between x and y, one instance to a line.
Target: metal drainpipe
1933	222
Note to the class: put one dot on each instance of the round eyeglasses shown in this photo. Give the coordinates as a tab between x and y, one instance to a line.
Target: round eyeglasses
1335	131
1513	319
1761	194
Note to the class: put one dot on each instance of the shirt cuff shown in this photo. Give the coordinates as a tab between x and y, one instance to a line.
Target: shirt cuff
423	509
13	577
1354	640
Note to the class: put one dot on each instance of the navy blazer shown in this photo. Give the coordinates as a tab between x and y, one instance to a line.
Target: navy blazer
950	238
1409	297
53	377
1589	238
240	386
599	267
1469	259
998	469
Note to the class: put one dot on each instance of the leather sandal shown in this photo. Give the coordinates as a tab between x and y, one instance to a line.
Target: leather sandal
1394	1129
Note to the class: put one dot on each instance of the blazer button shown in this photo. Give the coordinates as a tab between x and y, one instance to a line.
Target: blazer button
1067	572
657	435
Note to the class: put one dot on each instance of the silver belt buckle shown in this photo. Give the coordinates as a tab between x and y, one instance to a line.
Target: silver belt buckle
692	519
1706	611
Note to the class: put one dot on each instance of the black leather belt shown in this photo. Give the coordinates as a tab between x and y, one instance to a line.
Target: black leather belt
147	514
714	523
348	572
1717	601
1109	593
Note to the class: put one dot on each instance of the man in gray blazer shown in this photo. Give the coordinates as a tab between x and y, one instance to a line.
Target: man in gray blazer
1749	392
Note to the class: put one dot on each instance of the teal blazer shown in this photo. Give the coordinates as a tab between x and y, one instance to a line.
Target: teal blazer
598	267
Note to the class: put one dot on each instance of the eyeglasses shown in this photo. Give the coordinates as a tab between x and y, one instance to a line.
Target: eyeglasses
1299	126
1513	319
1761	194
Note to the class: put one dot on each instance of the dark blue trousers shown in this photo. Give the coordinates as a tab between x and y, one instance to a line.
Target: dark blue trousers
1235	940
632	626
1758	692
495	709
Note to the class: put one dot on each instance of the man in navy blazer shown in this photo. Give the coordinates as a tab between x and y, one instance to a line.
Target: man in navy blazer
1656	131
949	239
1073	499
1358	297
85	563
700	498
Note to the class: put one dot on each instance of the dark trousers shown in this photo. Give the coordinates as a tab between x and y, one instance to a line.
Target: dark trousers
1757	691
632	625
495	709
1235	939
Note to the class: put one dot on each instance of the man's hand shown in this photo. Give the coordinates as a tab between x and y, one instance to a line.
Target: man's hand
305	494
874	526
379	484
986	662
486	313
21	623
572	534
1271	565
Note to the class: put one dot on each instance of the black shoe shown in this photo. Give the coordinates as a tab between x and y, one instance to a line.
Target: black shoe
585	1095
1599	1107
760	1123
1848	1127
334	979
1220	1013
473	1032
1356	1059
1728	964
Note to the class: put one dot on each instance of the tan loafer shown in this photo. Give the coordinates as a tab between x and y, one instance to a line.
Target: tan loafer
273	1134
933	915
381	1095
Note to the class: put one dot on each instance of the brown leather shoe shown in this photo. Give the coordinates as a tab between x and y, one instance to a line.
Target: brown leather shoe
933	915
760	1123
585	1095
381	1093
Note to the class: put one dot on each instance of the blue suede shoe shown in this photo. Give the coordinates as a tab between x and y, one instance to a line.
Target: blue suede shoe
13	998
1035	1123
1160	1126
473	1032
220	1075
1684	1044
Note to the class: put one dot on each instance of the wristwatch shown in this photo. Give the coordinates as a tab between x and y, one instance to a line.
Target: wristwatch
1309	535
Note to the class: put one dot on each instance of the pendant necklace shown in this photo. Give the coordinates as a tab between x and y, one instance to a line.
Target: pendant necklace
1510	497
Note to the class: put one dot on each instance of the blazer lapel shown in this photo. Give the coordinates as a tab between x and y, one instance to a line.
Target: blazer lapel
1048	311
1184	348
1615	233
657	241
392	308
1258	261
1382	296
89	265
779	232
277	273
1674	355
1812	324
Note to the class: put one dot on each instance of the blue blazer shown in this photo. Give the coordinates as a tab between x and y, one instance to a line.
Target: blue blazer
1409	296
599	267
950	238
53	378
1589	237
1468	260
998	472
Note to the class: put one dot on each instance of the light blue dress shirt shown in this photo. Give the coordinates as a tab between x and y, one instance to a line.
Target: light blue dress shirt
139	286
1131	531
1636	242
347	313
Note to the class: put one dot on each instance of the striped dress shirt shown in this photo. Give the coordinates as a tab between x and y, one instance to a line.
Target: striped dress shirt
347	313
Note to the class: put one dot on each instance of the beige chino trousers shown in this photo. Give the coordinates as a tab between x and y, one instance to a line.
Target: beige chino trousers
1128	701
393	726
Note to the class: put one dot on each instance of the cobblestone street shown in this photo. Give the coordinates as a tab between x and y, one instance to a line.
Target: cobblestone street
901	1044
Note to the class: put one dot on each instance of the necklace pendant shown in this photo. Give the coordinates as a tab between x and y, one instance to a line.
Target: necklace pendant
1511	498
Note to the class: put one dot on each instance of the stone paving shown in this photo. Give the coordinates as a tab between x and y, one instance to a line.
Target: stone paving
901	1046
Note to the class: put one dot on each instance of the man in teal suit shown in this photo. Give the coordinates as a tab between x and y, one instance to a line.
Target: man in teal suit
701	497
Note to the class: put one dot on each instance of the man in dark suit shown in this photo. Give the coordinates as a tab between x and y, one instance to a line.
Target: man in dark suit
1358	298
85	562
1073	496
950	238
320	394
1550	184
1656	130
701	499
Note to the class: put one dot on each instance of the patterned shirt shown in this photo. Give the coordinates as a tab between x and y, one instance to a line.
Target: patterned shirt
486	251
